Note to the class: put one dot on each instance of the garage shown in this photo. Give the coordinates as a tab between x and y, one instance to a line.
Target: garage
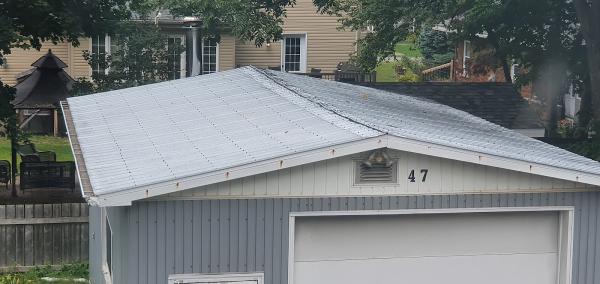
466	248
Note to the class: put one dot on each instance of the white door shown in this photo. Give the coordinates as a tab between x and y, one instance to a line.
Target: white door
293	53
466	248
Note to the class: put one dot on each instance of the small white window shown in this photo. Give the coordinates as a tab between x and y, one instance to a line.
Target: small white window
210	56
293	54
515	70
466	57
226	278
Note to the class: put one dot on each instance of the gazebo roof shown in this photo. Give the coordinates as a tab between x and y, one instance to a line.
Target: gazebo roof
43	86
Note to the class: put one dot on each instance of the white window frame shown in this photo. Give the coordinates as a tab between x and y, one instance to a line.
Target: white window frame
106	51
303	51
259	277
566	229
106	272
513	72
466	56
216	58
182	61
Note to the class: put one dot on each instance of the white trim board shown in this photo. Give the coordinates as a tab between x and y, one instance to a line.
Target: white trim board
566	227
212	278
125	197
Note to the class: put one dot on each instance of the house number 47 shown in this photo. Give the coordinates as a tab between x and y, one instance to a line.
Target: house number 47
412	178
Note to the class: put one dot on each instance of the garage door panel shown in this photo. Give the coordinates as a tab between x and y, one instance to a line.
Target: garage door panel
465	248
328	238
516	269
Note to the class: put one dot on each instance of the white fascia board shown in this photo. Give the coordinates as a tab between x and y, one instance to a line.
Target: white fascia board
430	149
125	197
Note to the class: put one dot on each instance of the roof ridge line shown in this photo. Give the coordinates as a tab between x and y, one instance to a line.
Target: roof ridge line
321	105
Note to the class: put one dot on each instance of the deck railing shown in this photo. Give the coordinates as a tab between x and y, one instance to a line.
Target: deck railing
441	73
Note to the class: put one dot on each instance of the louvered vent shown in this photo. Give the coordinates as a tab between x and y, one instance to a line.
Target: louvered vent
378	168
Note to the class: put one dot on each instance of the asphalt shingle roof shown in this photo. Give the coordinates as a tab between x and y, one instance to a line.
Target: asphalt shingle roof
499	103
149	134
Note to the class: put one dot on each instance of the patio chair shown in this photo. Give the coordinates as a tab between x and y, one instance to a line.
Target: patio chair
5	172
28	153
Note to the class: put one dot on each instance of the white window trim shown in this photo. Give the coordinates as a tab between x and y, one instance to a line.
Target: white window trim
217	58
513	73
303	50
465	57
106	272
566	227
106	50
211	278
182	61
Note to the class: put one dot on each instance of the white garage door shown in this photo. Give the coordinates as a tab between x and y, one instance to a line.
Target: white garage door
468	248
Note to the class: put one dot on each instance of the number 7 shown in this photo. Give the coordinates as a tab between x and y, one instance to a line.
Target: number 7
424	172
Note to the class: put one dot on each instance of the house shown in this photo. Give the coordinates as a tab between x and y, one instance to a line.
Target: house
497	102
310	40
260	176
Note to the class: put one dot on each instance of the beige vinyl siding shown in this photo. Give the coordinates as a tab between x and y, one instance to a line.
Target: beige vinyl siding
226	53
77	64
20	60
326	45
335	177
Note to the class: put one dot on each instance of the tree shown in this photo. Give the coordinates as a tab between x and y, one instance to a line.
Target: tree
588	13
436	47
139	55
257	20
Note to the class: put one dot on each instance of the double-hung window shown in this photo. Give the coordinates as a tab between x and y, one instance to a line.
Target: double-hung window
210	56
101	46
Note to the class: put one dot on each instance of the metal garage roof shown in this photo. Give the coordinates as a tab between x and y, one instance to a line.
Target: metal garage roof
150	134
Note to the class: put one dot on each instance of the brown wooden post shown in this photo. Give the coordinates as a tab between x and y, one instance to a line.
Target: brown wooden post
55	122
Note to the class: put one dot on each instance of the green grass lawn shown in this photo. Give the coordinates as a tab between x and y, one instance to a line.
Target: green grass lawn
408	50
42	143
386	73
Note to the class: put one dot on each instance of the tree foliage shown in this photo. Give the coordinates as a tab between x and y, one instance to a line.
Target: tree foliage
436	47
139	55
257	20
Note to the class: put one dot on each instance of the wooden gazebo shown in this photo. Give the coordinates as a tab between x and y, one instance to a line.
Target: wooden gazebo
39	91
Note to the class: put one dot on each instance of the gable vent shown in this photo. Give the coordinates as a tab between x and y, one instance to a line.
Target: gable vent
378	168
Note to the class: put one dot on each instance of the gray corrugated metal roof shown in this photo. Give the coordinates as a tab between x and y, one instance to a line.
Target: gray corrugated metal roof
161	132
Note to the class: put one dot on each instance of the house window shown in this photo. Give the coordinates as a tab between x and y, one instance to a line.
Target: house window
210	50
294	53
99	50
515	71
174	58
466	57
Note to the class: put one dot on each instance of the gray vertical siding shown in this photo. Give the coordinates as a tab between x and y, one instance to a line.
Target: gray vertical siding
204	236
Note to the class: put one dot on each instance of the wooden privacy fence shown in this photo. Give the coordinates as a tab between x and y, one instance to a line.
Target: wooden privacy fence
42	234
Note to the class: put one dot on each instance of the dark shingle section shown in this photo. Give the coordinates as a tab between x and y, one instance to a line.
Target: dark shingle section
499	103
